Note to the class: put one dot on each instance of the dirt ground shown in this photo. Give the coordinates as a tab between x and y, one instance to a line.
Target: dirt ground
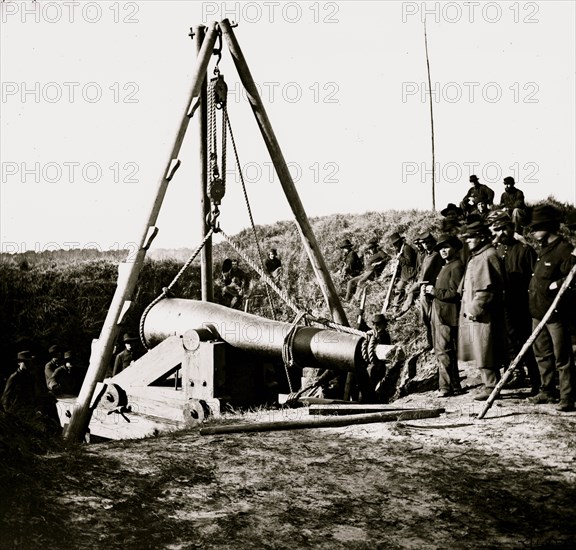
508	481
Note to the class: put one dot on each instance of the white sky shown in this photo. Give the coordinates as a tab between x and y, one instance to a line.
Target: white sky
343	84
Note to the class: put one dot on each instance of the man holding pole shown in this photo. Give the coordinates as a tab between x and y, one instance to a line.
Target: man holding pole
406	258
552	345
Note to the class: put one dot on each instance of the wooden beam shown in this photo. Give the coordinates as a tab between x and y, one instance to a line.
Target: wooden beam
413	414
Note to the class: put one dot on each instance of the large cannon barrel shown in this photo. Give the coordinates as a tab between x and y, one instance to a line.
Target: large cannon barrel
309	346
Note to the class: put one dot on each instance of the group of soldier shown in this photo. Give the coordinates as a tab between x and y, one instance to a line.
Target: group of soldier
30	392
481	290
236	284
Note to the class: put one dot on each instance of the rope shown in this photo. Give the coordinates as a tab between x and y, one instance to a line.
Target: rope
248	207
166	291
284	296
287	346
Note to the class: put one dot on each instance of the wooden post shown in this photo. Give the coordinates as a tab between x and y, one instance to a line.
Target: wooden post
129	271
206	282
308	239
529	342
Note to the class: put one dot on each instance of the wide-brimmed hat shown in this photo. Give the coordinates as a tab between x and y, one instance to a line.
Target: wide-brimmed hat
374	241
445	238
25	356
346	244
394	238
474	229
425	236
473	177
451	210
129	337
54	349
544	216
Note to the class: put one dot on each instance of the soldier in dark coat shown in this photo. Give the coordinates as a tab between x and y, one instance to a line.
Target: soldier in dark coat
512	200
27	397
552	347
445	313
406	257
477	194
481	324
128	355
519	260
430	265
273	264
375	261
55	361
351	263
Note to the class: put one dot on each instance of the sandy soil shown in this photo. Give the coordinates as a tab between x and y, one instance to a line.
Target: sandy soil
508	481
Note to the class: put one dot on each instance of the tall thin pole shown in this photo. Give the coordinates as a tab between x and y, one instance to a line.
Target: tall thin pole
308	238
431	120
129	271
206	282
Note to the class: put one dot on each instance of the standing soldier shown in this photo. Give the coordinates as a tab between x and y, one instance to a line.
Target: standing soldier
351	263
127	356
445	312
481	323
519	260
552	347
55	362
430	266
406	257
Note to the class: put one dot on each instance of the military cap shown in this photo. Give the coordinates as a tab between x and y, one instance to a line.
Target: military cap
54	349
474	229
509	180
346	243
502	220
395	237
129	337
374	241
379	318
25	356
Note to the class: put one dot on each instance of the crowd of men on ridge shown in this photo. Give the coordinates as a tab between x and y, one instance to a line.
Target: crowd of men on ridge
481	289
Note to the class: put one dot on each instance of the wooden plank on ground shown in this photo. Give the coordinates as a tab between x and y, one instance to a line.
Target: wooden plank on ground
342	409
329	422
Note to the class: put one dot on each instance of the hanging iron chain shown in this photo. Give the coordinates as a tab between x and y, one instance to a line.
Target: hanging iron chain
248	207
167	290
217	95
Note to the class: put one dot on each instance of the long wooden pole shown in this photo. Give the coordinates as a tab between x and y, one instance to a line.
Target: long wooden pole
129	271
508	374
206	282
324	422
431	121
308	239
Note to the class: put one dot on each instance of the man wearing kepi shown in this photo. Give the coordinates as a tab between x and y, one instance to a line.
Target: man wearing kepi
552	346
481	336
